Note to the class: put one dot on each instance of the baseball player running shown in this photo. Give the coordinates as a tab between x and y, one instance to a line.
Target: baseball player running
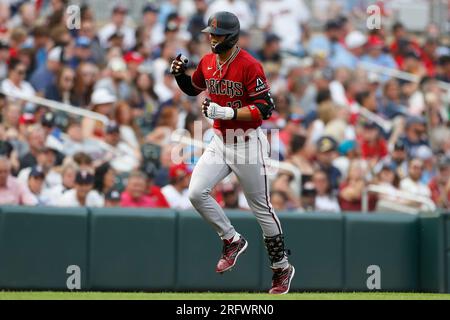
239	101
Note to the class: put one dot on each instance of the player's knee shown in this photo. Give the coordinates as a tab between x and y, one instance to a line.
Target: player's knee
198	195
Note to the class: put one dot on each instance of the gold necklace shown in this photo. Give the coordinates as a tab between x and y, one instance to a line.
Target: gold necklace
220	66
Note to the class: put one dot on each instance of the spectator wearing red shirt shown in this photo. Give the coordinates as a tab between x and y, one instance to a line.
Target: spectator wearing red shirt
154	192
440	184
373	145
351	190
402	44
429	56
135	194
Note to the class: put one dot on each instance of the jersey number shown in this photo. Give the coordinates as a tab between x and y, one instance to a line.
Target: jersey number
235	104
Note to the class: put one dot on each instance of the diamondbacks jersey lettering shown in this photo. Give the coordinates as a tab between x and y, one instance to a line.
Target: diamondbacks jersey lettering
235	84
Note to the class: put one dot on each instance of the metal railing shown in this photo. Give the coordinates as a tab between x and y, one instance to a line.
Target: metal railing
57	106
398	194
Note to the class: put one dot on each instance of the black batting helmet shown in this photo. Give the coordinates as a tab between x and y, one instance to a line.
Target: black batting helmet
224	23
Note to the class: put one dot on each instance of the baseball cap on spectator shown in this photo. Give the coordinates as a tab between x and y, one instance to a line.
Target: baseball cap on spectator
271	37
48	120
55	54
117	64
326	144
415	120
346	146
150	7
84	177
37	172
27	118
423	153
120	8
83	42
52	143
333	24
171	26
179	170
355	39
112	195
112	127
308	189
102	96
375	42
399	145
133	57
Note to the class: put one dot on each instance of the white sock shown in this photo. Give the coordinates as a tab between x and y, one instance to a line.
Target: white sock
235	237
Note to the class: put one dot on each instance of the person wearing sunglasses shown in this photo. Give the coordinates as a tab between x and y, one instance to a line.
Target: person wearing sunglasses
16	84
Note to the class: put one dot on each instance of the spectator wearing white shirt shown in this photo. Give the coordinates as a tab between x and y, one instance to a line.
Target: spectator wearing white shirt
285	18
121	156
324	201
68	173
35	185
176	193
117	80
152	27
240	8
412	182
15	83
82	195
45	159
117	24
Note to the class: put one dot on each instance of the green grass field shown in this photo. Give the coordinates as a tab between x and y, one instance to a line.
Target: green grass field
52	295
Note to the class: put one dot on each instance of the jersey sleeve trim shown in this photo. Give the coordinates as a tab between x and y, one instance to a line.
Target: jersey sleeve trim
258	93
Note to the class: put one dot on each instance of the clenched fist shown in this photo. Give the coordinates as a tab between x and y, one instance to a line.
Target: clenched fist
214	111
178	65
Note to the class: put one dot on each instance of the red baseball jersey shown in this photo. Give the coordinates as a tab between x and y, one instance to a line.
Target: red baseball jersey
232	85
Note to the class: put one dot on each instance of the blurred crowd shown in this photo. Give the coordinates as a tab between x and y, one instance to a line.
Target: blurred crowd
339	124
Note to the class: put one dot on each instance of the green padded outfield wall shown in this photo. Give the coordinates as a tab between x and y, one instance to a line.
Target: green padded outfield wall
38	244
389	241
132	249
432	233
199	249
154	250
316	244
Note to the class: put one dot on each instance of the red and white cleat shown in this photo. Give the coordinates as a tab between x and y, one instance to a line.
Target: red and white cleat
230	253
281	280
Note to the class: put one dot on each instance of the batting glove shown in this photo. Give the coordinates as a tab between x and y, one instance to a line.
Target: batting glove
178	65
214	111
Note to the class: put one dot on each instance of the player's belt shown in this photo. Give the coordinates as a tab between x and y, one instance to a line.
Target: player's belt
237	139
